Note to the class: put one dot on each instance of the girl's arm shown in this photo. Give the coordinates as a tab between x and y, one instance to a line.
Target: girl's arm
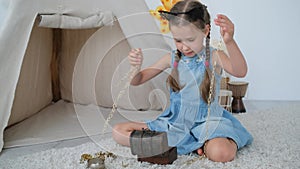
136	58
235	64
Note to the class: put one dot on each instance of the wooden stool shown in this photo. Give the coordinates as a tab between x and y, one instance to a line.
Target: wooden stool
238	89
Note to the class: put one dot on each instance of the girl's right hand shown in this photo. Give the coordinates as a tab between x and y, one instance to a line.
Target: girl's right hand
135	57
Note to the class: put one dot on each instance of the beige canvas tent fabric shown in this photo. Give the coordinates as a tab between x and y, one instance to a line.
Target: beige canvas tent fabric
26	83
74	22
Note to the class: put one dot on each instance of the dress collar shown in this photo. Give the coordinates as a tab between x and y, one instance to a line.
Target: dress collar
197	57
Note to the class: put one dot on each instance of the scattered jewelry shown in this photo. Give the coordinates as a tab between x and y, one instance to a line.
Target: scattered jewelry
191	161
97	161
124	165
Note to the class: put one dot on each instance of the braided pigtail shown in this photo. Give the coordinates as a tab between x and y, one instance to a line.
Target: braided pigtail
173	79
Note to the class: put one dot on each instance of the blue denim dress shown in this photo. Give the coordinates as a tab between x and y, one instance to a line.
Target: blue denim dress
185	120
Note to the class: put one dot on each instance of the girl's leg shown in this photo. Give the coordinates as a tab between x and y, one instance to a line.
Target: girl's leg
122	131
220	149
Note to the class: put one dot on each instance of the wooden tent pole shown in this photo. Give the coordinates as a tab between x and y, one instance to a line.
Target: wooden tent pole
56	54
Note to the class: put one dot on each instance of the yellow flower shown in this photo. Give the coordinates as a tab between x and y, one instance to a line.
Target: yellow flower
166	6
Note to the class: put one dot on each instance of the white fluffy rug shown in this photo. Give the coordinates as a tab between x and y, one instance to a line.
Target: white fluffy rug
276	145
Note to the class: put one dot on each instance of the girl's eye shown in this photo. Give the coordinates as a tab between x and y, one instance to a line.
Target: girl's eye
191	40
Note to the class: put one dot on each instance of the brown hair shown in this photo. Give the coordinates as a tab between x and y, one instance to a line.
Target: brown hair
183	13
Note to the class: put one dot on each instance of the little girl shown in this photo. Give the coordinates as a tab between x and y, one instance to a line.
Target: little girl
189	127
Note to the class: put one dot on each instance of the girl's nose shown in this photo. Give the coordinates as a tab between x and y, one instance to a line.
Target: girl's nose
185	47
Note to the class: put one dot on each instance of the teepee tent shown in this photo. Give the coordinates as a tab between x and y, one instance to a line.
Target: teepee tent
63	62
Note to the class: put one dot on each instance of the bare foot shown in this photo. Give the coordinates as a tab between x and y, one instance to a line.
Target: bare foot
200	152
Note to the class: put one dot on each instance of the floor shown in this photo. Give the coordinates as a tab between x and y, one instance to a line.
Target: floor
251	105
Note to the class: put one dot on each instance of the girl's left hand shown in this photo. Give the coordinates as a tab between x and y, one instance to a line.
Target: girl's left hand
226	27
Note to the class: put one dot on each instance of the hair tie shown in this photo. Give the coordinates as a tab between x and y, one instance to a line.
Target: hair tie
175	64
194	14
206	64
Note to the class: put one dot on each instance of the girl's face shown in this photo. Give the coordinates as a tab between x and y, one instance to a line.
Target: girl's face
188	39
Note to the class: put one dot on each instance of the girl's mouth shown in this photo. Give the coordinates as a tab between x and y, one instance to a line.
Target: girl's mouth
189	53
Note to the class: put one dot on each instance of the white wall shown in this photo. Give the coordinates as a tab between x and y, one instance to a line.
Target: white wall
3	8
268	33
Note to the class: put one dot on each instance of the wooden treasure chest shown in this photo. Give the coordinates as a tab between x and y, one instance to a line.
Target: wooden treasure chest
151	146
